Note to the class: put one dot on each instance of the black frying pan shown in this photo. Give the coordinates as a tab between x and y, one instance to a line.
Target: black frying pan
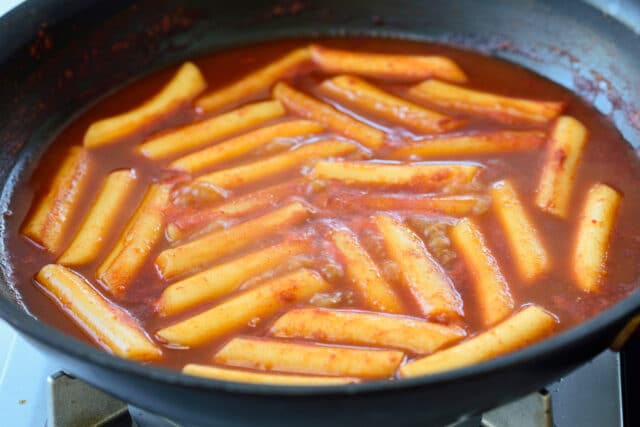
103	44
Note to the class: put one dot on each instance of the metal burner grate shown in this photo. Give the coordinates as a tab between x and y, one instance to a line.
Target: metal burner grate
73	403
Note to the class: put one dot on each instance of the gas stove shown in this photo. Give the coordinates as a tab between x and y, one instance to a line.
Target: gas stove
34	391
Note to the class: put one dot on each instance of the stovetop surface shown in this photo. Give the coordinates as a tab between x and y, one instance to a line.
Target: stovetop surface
23	386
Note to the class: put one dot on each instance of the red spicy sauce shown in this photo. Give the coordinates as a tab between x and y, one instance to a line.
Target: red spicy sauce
607	158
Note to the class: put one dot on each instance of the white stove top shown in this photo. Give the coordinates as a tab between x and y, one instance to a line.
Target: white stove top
7	5
22	385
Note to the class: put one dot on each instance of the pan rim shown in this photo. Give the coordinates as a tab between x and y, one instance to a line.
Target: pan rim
76	348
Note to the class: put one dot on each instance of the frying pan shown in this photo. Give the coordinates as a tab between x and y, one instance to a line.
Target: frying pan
58	57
